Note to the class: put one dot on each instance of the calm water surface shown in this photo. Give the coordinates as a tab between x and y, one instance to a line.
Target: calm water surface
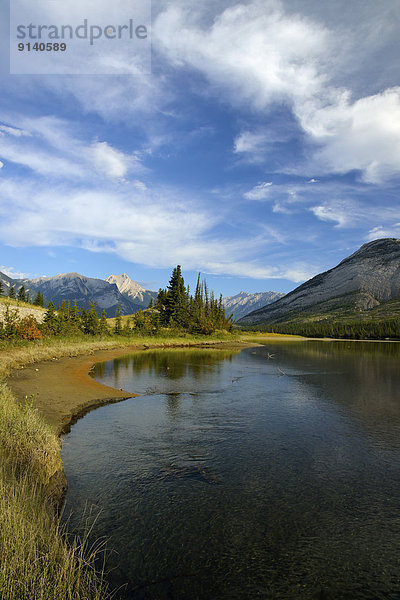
245	475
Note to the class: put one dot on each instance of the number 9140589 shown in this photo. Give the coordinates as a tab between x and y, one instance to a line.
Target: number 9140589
42	47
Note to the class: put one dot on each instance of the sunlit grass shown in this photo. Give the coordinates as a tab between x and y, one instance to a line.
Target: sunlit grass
18	304
36	562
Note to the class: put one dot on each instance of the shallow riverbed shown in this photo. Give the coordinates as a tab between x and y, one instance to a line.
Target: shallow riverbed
273	472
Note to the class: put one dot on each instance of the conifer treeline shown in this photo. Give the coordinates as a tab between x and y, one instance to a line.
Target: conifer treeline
201	313
23	295
175	308
362	330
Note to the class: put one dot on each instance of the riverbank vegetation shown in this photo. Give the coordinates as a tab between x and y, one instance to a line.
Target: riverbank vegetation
345	329
36	560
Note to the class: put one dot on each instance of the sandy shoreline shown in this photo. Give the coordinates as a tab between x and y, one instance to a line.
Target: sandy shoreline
63	391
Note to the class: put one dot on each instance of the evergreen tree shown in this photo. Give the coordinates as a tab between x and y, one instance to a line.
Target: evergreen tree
11	293
1	288
39	300
118	321
92	324
83	316
22	294
74	314
103	326
160	305
50	319
176	308
126	330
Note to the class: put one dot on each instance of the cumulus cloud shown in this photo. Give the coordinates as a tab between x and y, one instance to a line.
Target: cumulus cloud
362	135
257	54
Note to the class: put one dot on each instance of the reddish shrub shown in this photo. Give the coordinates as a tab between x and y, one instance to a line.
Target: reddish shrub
27	329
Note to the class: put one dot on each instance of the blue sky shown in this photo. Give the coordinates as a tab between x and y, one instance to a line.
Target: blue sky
263	148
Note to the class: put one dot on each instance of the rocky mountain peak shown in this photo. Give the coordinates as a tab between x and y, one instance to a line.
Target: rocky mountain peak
125	284
382	248
366	278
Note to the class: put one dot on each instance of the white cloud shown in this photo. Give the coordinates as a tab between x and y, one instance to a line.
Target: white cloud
259	192
109	161
156	227
140	185
340	214
11	272
254	51
380	231
362	135
51	150
299	272
250	143
256	54
1	164
13	131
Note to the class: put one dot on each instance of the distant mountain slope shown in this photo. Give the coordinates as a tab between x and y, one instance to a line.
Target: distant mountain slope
132	290
73	286
106	294
8	282
366	279
243	303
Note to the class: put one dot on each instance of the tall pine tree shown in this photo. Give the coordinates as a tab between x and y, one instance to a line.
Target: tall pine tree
22	294
176	309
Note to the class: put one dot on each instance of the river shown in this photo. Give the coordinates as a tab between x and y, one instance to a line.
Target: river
272	472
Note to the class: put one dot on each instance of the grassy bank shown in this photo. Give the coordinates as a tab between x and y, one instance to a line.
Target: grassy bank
36	560
19	353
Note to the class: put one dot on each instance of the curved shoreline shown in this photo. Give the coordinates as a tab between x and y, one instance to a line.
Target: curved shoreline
62	390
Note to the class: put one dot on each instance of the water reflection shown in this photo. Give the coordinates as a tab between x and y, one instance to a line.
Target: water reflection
171	371
245	475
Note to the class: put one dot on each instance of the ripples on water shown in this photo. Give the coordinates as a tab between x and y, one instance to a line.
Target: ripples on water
236	475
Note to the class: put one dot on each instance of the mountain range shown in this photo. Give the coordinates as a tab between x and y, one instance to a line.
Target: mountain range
368	281
106	294
118	289
365	283
243	303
